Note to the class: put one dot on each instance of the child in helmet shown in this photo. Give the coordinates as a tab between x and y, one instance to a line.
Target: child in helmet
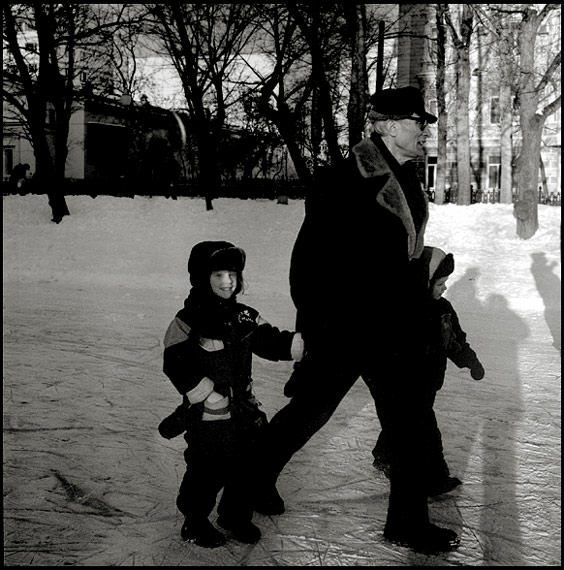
208	350
444	339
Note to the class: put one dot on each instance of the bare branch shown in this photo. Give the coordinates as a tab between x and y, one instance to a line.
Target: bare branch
552	107
552	68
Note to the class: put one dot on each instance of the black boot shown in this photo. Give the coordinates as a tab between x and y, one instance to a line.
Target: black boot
445	485
202	533
382	463
428	539
268	501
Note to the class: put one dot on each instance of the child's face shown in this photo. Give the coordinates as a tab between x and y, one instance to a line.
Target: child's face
223	283
439	288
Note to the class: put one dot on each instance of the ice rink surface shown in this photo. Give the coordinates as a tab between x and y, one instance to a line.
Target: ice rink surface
89	481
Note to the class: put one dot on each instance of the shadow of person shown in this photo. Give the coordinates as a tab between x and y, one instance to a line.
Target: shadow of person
548	285
479	422
502	417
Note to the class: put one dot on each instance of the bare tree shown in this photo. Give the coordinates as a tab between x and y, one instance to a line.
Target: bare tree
313	50
534	109
39	82
203	41
506	91
284	90
359	93
504	73
461	33
440	181
323	32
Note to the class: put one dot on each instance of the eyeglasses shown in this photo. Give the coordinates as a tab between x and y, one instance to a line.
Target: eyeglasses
421	122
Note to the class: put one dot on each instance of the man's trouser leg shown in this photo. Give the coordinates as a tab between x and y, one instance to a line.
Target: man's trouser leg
323	385
402	416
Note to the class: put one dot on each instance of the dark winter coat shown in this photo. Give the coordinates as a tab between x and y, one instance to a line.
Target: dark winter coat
446	340
363	225
208	347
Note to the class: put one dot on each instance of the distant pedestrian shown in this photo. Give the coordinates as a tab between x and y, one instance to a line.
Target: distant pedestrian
445	339
19	176
208	357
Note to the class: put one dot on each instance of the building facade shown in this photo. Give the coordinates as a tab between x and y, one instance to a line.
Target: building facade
416	66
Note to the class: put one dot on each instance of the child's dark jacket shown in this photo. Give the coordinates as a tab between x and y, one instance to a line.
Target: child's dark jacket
446	340
208	350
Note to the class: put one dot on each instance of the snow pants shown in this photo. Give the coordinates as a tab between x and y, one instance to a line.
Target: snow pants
220	455
435	467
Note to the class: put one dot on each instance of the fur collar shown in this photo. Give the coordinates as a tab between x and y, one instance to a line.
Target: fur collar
372	164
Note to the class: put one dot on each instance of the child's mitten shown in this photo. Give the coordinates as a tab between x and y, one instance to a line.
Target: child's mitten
477	370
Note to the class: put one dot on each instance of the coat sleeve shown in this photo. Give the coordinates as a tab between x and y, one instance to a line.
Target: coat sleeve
459	350
180	359
271	343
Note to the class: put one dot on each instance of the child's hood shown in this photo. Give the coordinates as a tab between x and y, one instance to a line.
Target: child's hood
436	264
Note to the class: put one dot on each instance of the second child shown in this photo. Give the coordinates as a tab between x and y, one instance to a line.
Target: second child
445	339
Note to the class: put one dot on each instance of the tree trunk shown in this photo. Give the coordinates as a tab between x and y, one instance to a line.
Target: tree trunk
57	204
207	169
286	125
50	155
440	175
463	129
506	143
507	80
464	194
45	177
526	205
359	76
316	127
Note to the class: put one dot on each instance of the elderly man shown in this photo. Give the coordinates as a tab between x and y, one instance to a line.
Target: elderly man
358	310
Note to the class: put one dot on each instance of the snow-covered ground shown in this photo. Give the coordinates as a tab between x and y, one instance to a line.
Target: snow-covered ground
89	481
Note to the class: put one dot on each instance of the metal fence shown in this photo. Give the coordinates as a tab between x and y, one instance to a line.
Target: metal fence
493	197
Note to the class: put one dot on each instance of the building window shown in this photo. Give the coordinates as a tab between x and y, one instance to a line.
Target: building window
8	164
495	114
494	172
431	172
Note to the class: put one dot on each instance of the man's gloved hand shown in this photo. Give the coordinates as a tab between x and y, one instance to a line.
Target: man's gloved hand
477	371
297	349
295	380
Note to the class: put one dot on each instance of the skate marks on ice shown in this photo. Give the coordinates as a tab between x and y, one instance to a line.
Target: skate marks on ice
77	495
76	425
84	392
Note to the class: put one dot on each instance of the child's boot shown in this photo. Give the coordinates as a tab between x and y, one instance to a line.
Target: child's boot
444	485
202	533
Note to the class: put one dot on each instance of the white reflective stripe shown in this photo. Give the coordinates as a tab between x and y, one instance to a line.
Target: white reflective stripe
216	400
201	391
216	407
211	344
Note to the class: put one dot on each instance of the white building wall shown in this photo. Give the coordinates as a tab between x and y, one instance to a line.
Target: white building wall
74	167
